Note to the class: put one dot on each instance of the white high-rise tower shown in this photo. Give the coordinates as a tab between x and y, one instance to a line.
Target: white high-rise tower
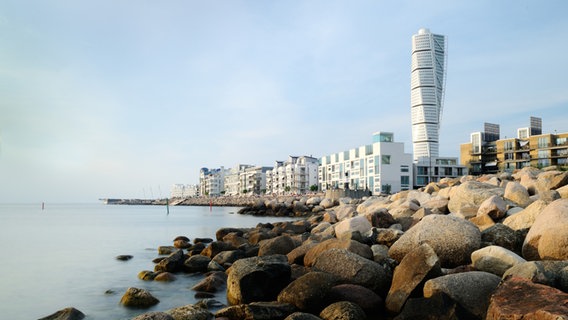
427	85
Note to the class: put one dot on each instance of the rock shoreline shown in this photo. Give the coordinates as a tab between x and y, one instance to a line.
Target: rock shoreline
489	247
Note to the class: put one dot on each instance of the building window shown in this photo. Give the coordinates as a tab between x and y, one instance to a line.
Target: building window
543	142
385	159
404	181
403	168
508	145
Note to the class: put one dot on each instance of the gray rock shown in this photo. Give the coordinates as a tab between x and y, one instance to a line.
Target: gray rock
227	258
327	203
257	279
350	245
368	300
66	314
352	268
197	263
452	238
495	259
257	311
467	197
503	236
190	312
359	223
173	263
345	211
154	315
525	218
279	245
549	272
470	290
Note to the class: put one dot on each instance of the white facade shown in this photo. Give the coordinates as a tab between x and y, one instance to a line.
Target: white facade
432	169
184	190
295	176
427	85
212	181
381	167
232	180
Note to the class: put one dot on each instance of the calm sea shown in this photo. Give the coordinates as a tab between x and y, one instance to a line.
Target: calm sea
64	255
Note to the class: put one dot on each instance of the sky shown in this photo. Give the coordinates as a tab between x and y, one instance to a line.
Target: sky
122	99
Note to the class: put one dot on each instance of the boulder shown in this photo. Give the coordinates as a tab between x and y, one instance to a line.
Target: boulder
416	267
467	197
380	218
518	298
350	245
66	314
257	279
165	277
359	223
495	259
172	263
503	236
215	247
309	292
302	316
221	233
197	263
452	238
437	205
518	194
525	218
138	298
495	207
212	283
483	222
550	272
320	227
352	268
124	257
387	236
343	310
551	180
563	191
547	239
279	245
182	244
372	204
227	258
345	211
380	252
166	250
235	239
256	310
327	203
147	275
438	307
470	290
154	315
313	201
368	300
190	312
297	255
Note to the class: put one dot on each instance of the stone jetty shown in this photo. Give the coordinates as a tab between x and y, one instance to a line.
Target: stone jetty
488	247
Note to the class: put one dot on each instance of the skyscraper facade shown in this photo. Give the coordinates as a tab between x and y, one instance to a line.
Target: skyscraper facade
428	73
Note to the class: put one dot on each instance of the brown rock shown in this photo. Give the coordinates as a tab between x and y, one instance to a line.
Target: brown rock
547	239
212	283
66	314
165	277
350	245
279	245
518	298
138	298
343	310
309	292
215	247
368	300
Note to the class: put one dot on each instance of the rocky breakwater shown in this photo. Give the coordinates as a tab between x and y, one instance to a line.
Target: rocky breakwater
489	247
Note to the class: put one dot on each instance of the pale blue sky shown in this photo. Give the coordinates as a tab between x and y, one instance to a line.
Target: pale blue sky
125	98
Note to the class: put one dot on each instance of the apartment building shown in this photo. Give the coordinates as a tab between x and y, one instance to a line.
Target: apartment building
233	185
296	175
380	167
184	190
486	153
212	181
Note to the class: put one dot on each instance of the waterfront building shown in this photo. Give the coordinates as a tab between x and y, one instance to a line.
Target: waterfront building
184	190
427	85
530	147
232	180
246	179
297	175
432	169
212	181
380	167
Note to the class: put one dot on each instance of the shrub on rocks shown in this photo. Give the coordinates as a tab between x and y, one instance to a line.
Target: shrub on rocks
257	279
547	238
352	268
452	238
531	301
309	292
138	298
470	290
495	259
344	310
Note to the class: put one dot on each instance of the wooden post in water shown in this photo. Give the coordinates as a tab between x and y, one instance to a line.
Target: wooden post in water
168	206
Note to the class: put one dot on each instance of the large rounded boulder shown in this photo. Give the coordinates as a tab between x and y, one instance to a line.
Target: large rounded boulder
138	298
452	238
309	292
548	237
468	197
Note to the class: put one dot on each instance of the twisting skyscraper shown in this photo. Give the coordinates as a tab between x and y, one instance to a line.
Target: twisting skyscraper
427	91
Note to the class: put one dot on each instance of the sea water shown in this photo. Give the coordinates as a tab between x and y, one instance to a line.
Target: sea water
63	255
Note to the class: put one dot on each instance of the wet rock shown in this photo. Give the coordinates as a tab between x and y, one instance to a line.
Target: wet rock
531	301
147	275
197	263
344	310
66	314
257	279
166	250
547	237
165	277
172	263
138	298
352	268
309	292
124	257
214	282
190	311
215	247
452	238
470	290
350	245
154	315
256	310
414	270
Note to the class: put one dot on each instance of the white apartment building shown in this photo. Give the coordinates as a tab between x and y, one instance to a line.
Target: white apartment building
184	190
212	181
294	176
380	167
246	179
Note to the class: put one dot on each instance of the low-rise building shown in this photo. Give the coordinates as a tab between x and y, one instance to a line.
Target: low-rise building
433	169
380	167
184	190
